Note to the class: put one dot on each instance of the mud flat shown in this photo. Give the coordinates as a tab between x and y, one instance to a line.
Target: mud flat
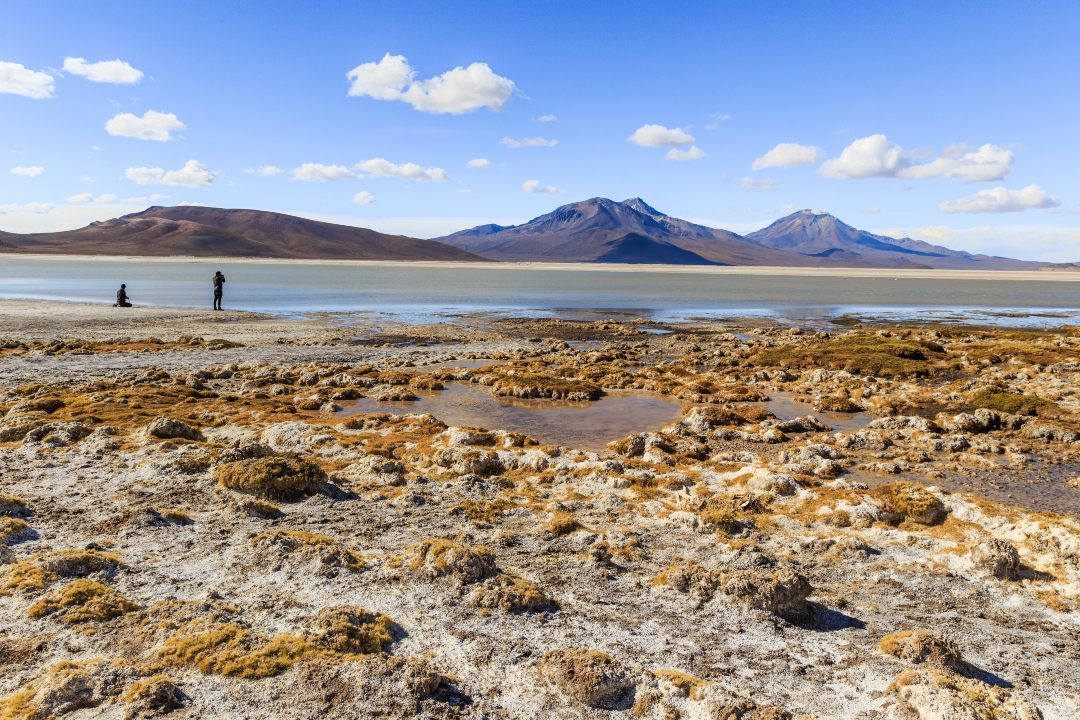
192	524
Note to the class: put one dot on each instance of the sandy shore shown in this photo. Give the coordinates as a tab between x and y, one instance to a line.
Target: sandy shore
1044	275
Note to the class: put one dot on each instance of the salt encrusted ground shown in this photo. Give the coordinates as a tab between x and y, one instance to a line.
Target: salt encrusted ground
254	554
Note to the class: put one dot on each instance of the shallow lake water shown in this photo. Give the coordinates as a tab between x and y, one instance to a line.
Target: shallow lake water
785	406
423	293
582	425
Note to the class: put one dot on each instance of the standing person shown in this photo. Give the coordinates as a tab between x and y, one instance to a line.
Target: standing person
122	297
219	289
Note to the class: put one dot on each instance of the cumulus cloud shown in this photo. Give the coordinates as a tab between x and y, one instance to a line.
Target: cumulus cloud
30	171
528	142
691	153
1050	243
983	164
755	184
660	136
264	170
381	167
789	155
16	79
547	119
31	208
153	125
192	174
317	172
363	198
1002	200
116	71
877	156
457	91
534	186
872	156
478	163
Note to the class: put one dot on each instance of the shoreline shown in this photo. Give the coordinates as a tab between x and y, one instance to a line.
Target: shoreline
763	270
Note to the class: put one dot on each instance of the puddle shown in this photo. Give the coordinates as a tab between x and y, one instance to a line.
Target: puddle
467	364
1041	488
785	406
582	425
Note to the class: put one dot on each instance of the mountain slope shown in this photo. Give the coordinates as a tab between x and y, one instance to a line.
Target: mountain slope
633	248
209	232
821	235
581	231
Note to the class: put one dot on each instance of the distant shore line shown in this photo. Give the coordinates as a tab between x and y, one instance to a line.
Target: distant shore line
768	270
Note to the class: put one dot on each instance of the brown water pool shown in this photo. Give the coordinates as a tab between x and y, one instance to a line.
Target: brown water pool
583	425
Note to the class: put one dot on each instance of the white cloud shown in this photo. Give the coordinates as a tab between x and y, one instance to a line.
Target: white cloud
547	119
264	170
317	172
984	164
691	153
30	171
478	163
789	155
31	208
872	156
363	198
534	186
457	91
528	142
873	210
876	156
1002	200
1049	243
192	174
660	136
83	198
153	125
18	80
190	203
381	167
755	184
116	71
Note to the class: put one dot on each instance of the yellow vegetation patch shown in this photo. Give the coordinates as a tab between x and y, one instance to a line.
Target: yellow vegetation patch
294	540
11	529
82	601
510	594
562	523
39	571
13	507
688	685
907	501
231	650
438	557
278	477
349	629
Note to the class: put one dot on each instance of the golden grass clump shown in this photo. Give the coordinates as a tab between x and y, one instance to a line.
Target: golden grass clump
39	571
277	477
588	676
352	630
861	353
438	557
82	601
907	501
562	523
1012	403
152	696
723	521
13	507
11	529
217	648
328	550
510	594
922	646
686	684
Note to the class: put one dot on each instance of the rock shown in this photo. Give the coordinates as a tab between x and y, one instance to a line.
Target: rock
803	424
905	422
906	501
465	460
395	393
437	557
153	697
165	428
399	687
510	594
998	558
588	676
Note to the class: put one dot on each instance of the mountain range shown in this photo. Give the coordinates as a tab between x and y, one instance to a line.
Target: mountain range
596	230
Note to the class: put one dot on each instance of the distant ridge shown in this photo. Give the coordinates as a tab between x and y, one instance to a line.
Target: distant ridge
215	232
603	230
597	230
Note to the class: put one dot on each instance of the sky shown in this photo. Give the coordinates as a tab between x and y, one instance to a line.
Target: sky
951	122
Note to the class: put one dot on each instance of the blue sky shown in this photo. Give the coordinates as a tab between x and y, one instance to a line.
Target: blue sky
953	124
